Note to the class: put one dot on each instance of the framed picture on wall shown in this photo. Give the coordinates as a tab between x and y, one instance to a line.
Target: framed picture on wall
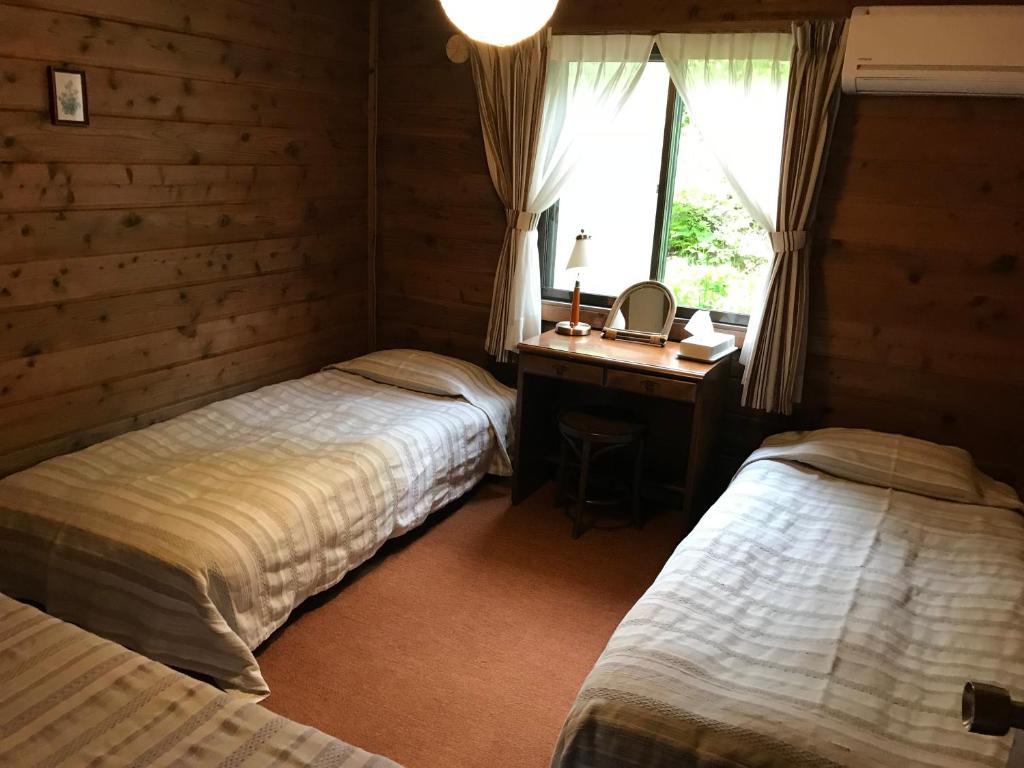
69	104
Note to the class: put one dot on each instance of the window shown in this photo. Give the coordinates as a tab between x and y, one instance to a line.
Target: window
651	192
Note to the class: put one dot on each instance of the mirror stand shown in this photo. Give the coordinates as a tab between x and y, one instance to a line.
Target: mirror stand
645	311
621	334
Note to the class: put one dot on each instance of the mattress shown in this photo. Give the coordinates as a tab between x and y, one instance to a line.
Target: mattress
70	698
813	620
191	541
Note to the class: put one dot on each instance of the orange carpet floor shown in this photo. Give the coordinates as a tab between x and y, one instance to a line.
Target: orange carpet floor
464	643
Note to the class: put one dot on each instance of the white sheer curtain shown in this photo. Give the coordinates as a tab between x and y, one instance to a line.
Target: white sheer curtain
589	78
734	86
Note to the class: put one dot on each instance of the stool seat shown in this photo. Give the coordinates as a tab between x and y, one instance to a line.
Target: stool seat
604	426
591	434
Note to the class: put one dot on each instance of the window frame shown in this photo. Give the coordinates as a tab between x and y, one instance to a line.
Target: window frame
547	228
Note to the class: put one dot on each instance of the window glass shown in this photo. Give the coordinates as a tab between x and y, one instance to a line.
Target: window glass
613	194
716	256
695	235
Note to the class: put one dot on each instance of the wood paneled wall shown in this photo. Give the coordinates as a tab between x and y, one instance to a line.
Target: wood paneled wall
919	248
440	223
917	317
205	235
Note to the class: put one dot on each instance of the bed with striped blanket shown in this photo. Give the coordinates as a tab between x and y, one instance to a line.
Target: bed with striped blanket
191	541
69	698
826	611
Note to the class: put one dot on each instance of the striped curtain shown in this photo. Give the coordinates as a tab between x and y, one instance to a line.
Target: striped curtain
533	148
773	377
510	93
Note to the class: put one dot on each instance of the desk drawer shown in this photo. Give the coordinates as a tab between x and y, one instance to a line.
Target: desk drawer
560	369
654	386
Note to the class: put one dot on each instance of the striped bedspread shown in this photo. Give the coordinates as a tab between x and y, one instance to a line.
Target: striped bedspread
809	620
191	541
69	698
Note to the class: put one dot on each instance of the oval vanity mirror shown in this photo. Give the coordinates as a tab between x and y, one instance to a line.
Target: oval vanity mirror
643	312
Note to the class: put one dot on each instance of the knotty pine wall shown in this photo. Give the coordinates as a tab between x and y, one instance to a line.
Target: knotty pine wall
205	235
917	320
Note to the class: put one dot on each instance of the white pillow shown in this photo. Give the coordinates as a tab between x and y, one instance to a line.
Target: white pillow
435	374
887	460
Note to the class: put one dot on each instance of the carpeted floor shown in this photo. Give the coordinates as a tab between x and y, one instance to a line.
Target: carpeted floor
466	642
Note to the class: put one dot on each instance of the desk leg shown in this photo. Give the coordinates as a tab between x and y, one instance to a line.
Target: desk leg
536	412
707	423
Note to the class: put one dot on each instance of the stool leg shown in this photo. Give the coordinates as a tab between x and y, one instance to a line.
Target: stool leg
638	474
581	494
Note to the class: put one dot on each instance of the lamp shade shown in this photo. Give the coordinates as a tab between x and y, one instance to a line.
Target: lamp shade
581	255
499	22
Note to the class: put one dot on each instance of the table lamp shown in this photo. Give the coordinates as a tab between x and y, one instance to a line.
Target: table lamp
580	259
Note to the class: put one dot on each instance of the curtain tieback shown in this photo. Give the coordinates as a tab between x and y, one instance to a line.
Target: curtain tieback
789	241
524	221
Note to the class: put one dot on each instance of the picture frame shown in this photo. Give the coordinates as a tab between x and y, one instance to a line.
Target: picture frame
69	100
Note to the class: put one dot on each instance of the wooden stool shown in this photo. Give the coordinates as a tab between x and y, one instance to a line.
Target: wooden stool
592	434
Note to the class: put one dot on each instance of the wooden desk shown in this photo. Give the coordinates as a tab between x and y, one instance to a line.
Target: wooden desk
550	360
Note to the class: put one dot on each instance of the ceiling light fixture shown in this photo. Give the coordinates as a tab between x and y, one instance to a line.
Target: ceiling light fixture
499	22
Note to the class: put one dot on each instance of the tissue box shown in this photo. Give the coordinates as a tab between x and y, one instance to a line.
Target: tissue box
707	347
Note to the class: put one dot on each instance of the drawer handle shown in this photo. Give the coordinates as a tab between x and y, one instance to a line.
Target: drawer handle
650	386
559	370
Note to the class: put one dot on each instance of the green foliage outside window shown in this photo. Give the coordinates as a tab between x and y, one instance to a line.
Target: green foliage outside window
715	252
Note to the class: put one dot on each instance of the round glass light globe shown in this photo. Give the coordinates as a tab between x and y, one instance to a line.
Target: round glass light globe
499	22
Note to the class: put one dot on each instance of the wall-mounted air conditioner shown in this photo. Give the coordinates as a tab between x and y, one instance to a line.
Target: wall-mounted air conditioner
927	49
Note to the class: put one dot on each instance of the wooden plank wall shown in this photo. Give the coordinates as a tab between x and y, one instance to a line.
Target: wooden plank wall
919	250
440	223
205	235
918	321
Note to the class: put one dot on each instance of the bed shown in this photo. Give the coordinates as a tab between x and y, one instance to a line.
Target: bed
191	541
826	611
70	698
